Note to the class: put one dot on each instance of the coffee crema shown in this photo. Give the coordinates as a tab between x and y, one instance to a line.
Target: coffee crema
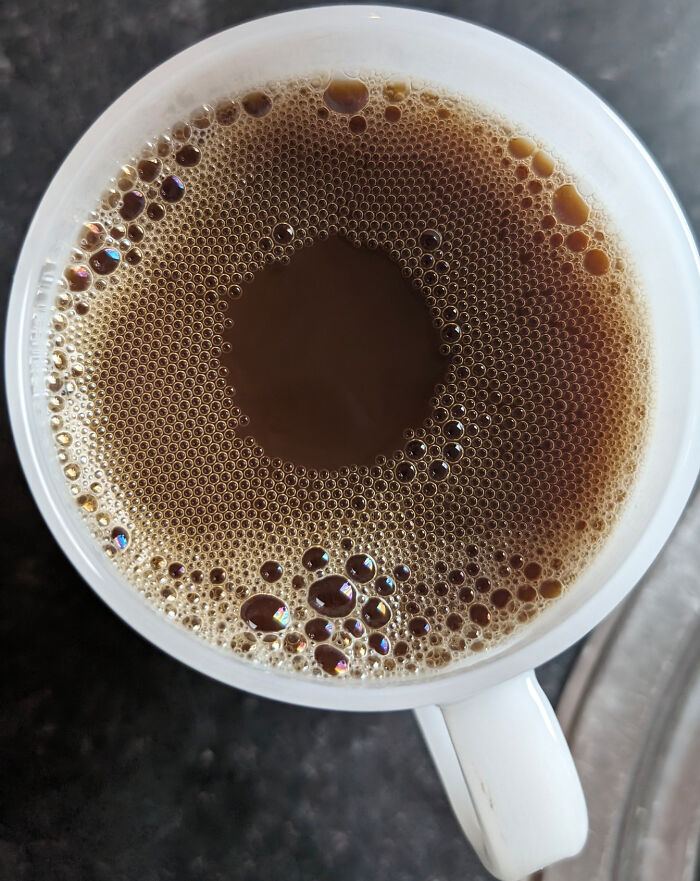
347	376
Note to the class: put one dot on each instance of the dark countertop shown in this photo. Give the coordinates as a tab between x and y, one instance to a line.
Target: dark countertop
121	763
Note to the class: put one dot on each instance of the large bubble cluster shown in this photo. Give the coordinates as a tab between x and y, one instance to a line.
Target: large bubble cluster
484	514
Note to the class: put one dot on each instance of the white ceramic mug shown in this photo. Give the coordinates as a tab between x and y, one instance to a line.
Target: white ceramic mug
494	738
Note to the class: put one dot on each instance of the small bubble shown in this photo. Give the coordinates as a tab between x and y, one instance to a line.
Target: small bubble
396	91
217	575
453	429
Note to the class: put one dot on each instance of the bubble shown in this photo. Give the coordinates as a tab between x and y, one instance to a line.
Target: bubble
361	568
438	470
314	558
453	452
78	277
354	627
271	571
569	207
405	472
392	114
148	170
105	261
542	164
188	156
119	538
294	643
479	614
333	595
402	573
92	236
265	613
430	239
132	205
257	104
416	449
501	597
72	471
217	575
550	588
319	629
520	148
227	112
87	502
419	626
331	660
283	233
357	124
596	262
346	96
376	613
527	593
532	570
384	585
172	189
379	643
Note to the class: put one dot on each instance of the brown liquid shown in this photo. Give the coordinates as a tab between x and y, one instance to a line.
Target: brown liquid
317	344
348	377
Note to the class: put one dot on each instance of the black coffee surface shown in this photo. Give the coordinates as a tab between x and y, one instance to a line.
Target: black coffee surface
348	377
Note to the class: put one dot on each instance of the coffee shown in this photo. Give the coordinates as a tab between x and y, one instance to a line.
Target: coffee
347	376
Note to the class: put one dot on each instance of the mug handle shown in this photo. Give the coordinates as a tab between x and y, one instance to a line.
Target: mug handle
509	776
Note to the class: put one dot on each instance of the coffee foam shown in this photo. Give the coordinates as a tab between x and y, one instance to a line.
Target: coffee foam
484	513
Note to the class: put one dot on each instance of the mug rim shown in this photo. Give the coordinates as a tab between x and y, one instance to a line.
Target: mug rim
453	684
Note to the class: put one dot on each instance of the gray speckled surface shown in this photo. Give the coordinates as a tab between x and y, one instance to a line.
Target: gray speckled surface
120	763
